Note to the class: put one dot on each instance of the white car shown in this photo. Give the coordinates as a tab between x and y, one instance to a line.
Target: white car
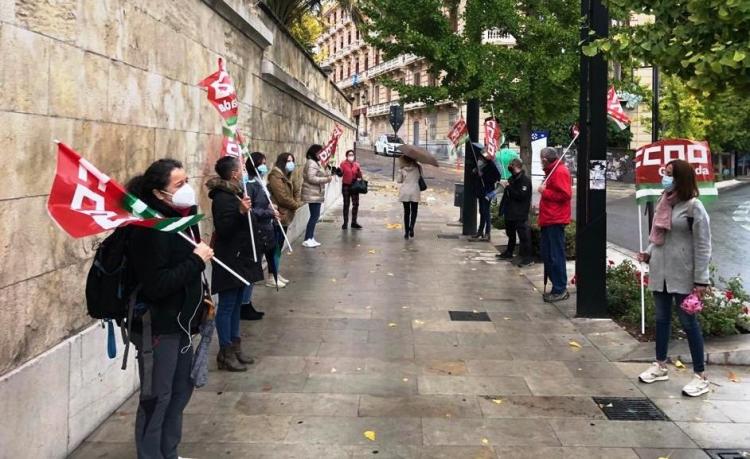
387	145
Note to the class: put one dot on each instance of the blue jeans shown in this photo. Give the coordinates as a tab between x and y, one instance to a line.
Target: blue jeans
228	313
663	302
553	255
314	216
485	217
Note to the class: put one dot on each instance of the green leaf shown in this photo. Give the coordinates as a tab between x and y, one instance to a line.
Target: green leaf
589	50
739	56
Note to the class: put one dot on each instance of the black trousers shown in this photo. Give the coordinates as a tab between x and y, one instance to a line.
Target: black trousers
410	215
520	227
350	198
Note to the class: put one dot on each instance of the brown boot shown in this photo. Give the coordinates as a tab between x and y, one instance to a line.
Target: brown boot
237	349
228	361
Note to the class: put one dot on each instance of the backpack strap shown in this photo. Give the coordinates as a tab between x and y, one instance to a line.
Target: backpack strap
126	328
690	219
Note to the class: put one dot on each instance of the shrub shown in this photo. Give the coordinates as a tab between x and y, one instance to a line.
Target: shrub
498	222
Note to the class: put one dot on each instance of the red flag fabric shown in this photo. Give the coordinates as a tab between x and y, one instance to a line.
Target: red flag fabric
232	146
491	138
458	134
329	150
222	94
84	201
614	109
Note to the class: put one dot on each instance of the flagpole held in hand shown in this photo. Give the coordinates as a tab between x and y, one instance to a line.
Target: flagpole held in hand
250	222
216	260
565	152
643	287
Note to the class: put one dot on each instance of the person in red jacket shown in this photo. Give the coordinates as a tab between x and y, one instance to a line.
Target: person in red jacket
351	172
554	214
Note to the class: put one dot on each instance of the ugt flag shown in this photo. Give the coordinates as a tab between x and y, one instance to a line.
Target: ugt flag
615	111
492	134
458	134
329	150
221	94
650	161
84	201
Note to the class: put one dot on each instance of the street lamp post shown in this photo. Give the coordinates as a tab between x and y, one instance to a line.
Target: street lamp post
591	218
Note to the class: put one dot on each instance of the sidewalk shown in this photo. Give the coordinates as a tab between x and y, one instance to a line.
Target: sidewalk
362	341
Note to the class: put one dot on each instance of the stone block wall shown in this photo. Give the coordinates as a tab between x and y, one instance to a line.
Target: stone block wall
117	81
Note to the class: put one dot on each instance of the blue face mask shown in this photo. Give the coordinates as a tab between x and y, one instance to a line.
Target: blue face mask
262	169
667	182
290	167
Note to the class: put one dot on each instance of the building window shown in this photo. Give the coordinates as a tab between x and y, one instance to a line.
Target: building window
431	81
367	62
417	79
375	95
387	94
356	65
377	57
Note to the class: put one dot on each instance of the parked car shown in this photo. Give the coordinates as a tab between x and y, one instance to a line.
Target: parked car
387	145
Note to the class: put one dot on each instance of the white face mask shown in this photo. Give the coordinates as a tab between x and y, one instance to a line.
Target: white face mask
184	197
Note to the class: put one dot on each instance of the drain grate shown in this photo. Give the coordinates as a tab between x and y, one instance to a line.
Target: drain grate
728	453
469	316
447	236
630	409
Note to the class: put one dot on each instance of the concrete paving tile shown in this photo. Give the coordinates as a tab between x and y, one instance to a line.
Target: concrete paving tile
564	340
277	365
539	407
326	336
100	450
486	432
252	404
561	353
565	453
582	369
691	410
542	327
350	431
361	384
453	452
335	365
472	385
718	435
420	406
444	367
281	348
262	450
247	382
393	350
602	387
436	338
430	323
646	453
225	428
432	352
735	410
383	451
521	368
507	339
625	434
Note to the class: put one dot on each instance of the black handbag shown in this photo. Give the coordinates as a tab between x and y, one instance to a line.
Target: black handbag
422	183
359	186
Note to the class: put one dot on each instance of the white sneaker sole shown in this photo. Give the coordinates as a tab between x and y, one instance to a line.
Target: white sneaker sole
656	379
697	394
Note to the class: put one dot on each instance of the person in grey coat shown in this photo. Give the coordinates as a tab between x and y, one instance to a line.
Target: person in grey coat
315	178
678	255
409	194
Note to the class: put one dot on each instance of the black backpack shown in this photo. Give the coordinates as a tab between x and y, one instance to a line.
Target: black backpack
110	285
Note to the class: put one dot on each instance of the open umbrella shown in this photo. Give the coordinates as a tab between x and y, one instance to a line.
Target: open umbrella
503	159
418	154
199	371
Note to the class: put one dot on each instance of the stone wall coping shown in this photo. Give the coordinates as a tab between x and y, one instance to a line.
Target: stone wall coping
279	78
250	26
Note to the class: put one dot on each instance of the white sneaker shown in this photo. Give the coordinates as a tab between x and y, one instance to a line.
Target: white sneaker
698	386
315	243
655	372
270	282
282	279
310	244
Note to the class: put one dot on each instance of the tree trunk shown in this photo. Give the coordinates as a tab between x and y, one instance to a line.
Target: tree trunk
525	141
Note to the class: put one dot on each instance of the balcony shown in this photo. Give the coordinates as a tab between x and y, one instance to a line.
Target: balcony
390	65
351	81
384	108
495	37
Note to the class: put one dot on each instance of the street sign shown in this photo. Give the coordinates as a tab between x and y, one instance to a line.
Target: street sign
396	117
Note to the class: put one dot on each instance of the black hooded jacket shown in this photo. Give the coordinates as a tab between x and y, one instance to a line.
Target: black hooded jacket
516	201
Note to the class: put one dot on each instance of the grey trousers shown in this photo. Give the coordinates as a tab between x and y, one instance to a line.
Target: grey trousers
158	424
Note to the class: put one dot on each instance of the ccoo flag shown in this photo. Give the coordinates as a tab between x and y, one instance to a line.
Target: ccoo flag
84	201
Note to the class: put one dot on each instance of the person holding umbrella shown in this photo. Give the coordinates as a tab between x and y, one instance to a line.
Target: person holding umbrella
233	244
412	182
485	179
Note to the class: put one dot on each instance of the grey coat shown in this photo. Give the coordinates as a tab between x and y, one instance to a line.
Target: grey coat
682	261
408	177
314	182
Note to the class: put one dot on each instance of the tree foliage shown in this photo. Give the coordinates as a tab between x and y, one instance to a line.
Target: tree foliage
704	42
306	30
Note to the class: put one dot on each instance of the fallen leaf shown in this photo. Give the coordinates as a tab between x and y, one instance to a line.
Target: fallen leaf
475	311
485	441
497	401
267	388
404	307
370	435
392	324
371	251
575	345
405	380
506	318
733	377
390	274
333	280
333	370
359	369
679	364
418	322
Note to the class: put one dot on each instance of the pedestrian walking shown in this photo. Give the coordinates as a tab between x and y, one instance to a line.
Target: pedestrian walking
485	177
409	175
351	171
286	194
678	255
315	178
514	208
554	214
265	215
168	270
233	244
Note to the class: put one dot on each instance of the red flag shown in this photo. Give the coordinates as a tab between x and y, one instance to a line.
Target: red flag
221	93
615	111
84	201
232	146
492	134
329	150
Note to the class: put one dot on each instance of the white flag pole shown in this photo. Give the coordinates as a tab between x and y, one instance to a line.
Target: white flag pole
643	288
216	260
565	152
